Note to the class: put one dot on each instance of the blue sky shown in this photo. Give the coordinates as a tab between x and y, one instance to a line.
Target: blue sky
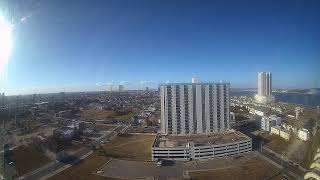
85	45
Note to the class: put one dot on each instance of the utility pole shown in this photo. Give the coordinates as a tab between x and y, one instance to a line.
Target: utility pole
282	156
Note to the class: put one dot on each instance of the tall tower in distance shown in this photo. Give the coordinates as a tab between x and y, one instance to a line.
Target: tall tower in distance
121	87
264	83
195	80
264	95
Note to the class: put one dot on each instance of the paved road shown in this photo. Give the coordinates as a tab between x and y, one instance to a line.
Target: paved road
51	168
294	171
37	174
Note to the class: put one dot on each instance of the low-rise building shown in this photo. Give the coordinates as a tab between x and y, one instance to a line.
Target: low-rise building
65	134
303	134
88	132
63	114
278	130
290	127
269	121
285	134
275	130
232	117
291	116
69	132
259	110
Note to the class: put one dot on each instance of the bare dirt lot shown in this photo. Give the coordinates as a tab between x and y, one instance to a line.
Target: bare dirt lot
27	159
131	147
255	168
246	166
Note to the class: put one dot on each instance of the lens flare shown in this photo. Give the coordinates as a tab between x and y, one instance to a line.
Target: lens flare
5	42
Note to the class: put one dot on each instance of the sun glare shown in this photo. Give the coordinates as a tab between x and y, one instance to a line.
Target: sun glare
5	42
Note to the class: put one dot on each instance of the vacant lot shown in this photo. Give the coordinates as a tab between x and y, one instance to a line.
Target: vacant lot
255	168
125	116
131	147
84	169
274	142
94	114
27	159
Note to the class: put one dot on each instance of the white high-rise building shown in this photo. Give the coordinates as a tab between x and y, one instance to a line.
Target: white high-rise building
264	83
121	87
264	88
195	80
191	108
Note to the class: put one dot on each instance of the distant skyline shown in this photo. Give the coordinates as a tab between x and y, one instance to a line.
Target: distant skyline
86	45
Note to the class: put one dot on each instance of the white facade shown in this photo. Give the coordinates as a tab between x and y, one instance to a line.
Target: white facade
264	88
303	134
190	108
256	112
195	80
264	83
277	130
232	117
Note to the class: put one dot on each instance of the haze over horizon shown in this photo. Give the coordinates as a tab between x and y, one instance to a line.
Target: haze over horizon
84	46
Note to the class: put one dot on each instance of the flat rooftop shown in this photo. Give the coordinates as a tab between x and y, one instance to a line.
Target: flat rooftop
200	139
281	129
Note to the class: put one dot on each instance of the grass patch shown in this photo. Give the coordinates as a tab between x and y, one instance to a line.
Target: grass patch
28	158
93	114
125	117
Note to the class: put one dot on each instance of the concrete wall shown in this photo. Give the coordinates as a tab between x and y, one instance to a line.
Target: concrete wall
201	152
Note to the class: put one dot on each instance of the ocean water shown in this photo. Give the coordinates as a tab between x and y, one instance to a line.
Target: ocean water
296	98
